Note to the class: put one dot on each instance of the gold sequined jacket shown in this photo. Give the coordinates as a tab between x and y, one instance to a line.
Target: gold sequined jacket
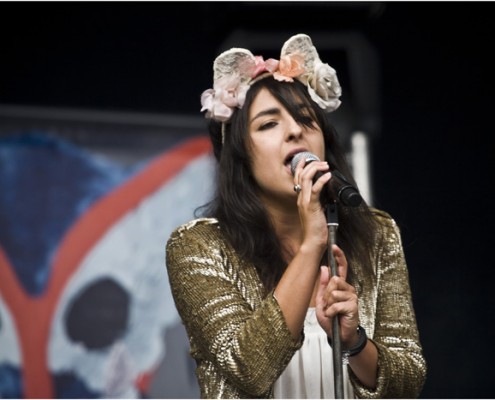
237	332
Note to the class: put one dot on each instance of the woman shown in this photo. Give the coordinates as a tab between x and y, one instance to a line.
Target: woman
248	281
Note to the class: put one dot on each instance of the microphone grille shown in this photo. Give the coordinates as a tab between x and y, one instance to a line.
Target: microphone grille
303	154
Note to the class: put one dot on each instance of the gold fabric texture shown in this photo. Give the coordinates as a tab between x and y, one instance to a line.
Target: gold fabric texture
237	332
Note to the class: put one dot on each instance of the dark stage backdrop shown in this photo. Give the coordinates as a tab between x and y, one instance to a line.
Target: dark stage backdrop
428	110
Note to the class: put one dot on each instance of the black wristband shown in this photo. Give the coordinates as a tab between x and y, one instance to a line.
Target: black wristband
362	340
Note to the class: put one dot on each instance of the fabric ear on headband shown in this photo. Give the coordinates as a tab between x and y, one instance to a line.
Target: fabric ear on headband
236	69
234	62
301	44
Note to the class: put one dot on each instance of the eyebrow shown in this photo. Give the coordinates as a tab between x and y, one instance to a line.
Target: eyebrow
269	111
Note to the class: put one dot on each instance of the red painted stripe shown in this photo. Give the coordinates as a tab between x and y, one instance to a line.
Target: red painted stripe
33	316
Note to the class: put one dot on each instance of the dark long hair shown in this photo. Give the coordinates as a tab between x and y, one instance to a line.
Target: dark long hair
240	212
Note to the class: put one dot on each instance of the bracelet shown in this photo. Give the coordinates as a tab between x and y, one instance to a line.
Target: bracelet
362	340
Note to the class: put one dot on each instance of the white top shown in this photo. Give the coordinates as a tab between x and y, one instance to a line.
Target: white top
309	374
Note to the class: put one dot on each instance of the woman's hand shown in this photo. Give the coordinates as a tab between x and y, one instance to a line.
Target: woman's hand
338	299
311	212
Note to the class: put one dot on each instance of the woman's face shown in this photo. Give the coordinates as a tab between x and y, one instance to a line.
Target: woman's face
275	138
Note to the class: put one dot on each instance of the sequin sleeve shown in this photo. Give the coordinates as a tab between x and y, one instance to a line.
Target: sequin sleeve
237	333
401	365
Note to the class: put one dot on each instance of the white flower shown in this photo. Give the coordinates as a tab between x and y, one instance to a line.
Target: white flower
324	87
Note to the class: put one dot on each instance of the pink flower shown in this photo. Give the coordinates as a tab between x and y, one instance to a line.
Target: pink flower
227	93
290	66
261	66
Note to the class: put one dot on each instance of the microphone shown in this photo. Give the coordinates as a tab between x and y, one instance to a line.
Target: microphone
340	187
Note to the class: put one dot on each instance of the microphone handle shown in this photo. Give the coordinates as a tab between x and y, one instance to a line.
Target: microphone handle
346	193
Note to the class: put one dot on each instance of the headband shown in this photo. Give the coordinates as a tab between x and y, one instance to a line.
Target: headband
235	70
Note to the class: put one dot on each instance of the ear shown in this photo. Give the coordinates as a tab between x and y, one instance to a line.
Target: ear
234	62
301	44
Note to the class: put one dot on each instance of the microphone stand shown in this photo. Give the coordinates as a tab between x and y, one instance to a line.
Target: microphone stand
333	224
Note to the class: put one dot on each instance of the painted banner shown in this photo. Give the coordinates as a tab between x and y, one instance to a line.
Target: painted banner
85	303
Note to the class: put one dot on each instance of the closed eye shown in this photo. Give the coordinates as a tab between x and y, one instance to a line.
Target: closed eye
267	125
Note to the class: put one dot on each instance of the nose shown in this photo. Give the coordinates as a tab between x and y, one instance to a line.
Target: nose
294	129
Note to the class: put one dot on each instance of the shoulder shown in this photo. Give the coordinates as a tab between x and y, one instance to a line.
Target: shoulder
386	224
381	215
191	241
197	237
389	239
383	218
195	228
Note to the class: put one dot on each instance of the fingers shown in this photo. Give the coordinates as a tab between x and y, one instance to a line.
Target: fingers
304	175
324	279
320	294
336	298
338	290
341	261
340	297
321	304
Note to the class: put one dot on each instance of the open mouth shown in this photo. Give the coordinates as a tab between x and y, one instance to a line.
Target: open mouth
290	157
288	160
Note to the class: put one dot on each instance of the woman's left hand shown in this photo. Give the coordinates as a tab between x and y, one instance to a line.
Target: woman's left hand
337	298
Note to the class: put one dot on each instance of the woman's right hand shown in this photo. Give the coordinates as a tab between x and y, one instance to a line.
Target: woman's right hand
311	211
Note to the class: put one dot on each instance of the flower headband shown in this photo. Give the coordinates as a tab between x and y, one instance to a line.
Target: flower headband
236	69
